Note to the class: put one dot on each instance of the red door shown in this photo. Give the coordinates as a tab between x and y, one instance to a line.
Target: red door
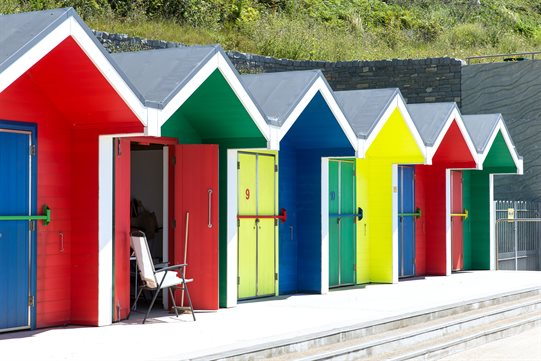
196	193
457	221
121	237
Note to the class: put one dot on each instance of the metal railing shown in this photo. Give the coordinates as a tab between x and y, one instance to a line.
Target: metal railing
505	57
518	235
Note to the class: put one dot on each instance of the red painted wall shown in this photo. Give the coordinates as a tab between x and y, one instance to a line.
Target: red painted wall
71	103
430	193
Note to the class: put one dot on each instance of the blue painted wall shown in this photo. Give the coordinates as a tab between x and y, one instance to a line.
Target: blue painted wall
314	135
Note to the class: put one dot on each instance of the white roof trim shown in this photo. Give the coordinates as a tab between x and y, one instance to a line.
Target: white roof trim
500	127
399	103
457	117
319	85
217	61
71	27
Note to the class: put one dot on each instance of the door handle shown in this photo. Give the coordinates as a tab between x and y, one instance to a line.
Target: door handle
210	208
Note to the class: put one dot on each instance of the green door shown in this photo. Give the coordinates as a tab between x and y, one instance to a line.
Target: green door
342	217
257	227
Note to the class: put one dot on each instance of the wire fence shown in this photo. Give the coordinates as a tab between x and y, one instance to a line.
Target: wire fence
518	235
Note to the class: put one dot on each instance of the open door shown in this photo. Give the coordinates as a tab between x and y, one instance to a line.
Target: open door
457	221
196	193
121	233
406	218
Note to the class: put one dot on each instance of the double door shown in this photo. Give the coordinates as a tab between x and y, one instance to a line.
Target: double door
342	223
257	225
16	270
407	214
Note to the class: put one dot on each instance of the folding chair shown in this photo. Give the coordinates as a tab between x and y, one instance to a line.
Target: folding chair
157	280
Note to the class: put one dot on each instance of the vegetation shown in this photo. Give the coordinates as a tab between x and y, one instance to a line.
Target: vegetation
320	29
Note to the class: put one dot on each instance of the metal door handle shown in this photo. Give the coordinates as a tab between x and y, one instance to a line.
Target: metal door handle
46	217
61	235
210	208
465	214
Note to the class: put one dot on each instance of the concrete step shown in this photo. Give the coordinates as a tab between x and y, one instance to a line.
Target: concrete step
415	336
386	335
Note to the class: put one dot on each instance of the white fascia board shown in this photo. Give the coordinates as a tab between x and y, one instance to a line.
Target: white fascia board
379	125
187	90
397	102
71	27
456	117
413	129
297	111
247	101
232	229
32	56
500	127
327	94
274	143
320	86
361	152
108	71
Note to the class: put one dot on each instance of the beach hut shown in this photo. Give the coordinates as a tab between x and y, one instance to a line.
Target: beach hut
203	112
388	138
59	91
310	128
497	154
438	189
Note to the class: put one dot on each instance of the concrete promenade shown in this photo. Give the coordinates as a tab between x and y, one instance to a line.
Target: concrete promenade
255	323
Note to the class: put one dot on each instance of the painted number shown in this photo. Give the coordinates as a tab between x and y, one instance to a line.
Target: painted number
333	196
247	192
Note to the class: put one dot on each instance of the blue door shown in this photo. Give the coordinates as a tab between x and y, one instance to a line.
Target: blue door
16	256
406	221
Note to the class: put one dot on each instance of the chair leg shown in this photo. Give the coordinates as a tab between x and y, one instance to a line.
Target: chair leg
189	299
134	307
151	304
173	299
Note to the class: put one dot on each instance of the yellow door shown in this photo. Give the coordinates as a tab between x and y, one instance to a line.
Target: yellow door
257	226
247	249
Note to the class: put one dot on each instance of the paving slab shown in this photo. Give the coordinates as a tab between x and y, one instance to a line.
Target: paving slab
259	322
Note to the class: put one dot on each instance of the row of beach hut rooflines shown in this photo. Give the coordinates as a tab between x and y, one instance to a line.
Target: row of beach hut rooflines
265	184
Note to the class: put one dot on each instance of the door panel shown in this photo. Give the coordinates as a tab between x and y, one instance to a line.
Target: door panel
121	268
347	224
406	225
247	252
266	206
15	238
457	222
196	187
342	223
334	224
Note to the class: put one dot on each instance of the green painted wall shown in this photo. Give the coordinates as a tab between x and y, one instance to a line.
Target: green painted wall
214	115
476	201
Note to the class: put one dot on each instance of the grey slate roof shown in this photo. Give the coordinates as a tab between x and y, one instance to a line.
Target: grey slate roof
21	32
160	74
364	108
480	127
430	118
279	93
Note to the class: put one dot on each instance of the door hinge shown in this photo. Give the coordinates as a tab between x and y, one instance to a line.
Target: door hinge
354	268
276	276
31	301
174	223
174	160
238	280
238	165
118	149
276	167
275	222
414	260
33	150
238	222
31	226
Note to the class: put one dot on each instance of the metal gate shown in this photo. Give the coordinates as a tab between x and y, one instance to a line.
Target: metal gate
518	235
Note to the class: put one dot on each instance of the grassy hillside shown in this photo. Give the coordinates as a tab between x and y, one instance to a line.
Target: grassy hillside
320	29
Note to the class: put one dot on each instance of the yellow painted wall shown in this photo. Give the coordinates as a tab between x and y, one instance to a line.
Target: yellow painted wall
394	145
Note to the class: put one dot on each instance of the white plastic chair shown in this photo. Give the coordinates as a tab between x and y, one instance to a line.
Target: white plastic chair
157	280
